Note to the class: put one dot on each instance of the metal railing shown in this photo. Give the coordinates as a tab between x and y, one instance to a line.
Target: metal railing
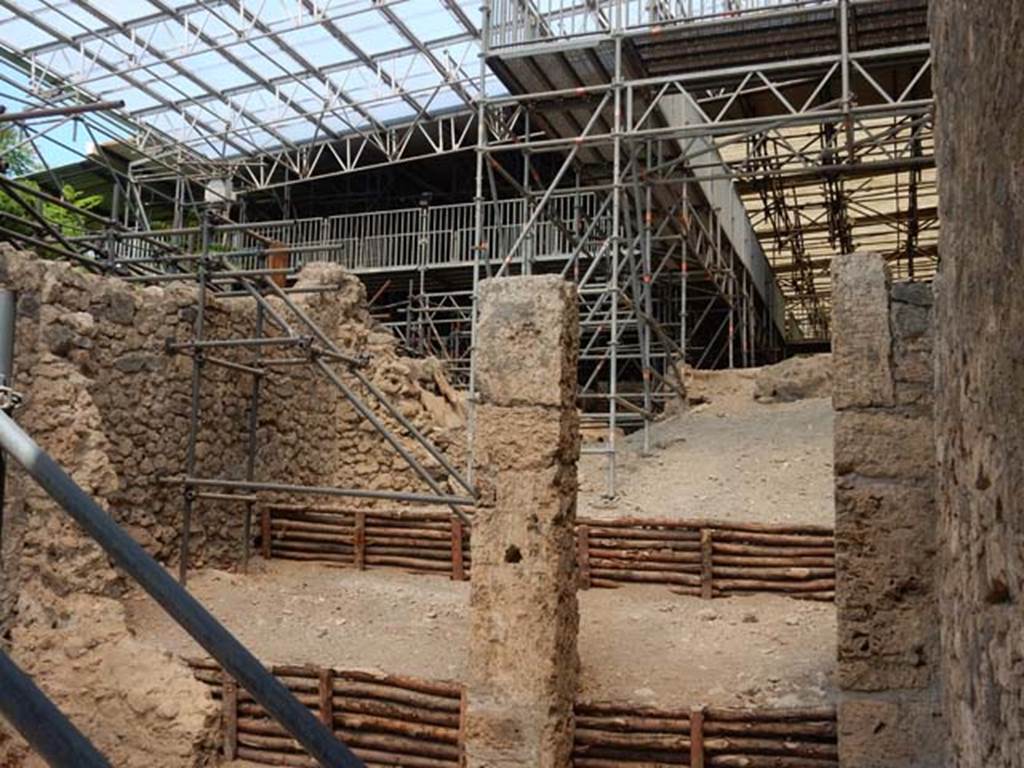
400	239
188	612
519	22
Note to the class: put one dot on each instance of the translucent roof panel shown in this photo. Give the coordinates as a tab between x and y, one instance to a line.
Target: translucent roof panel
234	77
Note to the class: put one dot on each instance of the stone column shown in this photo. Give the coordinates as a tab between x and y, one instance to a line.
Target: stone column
889	703
524	621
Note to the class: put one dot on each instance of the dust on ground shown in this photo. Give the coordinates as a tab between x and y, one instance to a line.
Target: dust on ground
729	459
638	643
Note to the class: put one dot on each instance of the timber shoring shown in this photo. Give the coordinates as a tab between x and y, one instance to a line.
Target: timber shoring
395	720
703	558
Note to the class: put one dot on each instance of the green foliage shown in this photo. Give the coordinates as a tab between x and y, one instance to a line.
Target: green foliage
68	223
17	160
21	160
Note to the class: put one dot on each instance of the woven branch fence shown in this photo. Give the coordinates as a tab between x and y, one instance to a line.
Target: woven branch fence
702	558
387	720
390	720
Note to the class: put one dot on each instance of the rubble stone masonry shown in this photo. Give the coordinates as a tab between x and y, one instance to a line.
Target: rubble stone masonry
111	404
889	703
979	78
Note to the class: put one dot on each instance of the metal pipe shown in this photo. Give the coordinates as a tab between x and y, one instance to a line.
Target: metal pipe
59	203
371	417
321	490
222	343
8	312
381	398
248	499
194	406
307	289
46	225
78	109
232	656
410	427
263	305
215	275
233	365
844	54
10	234
8	316
308	322
613	368
250	454
41	724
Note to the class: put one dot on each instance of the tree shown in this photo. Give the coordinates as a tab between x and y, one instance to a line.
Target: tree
16	159
19	160
70	222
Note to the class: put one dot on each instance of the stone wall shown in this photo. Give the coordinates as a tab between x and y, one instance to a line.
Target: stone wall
524	620
107	400
889	704
979	76
64	626
87	338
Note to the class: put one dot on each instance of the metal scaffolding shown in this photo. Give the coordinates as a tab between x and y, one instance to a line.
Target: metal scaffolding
693	190
285	327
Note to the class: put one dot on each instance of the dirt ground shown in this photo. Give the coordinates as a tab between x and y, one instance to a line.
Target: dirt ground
731	458
642	644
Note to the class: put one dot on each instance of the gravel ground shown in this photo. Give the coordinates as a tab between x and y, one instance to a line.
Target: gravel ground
641	643
731	458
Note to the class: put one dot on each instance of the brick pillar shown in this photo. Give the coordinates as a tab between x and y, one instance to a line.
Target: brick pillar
889	703
523	664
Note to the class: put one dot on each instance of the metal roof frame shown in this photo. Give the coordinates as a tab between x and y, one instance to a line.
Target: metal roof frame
267	92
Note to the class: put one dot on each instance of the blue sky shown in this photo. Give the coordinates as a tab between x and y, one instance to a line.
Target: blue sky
64	144
221	90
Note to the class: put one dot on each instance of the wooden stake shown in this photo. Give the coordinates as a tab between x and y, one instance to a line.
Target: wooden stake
458	566
583	554
697	737
706	570
359	541
265	533
229	704
326	691
462	729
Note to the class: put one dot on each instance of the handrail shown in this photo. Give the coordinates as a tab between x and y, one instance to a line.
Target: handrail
40	723
175	599
522	22
391	239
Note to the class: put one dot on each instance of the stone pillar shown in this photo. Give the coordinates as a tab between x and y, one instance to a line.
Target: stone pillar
523	663
889	701
979	125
